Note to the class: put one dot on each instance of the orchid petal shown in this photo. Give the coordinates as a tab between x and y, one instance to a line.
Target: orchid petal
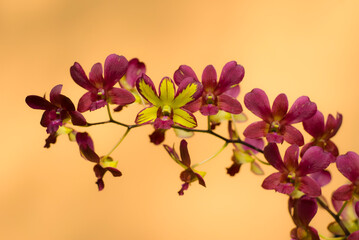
184	118
146	88
167	91
274	137
306	209
85	102
310	187
186	160
209	110
333	125
272	181
322	177
348	165
272	154
229	104
256	130
95	76
115	68
301	110
257	102
188	91
258	143
147	115
280	106
36	102
232	74
344	192
313	160
314	125
209	78
55	93
77	118
120	96
233	91
134	71
79	76
183	72
291	157
292	135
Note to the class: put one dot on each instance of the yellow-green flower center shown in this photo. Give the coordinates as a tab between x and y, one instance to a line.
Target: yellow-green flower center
274	127
166	110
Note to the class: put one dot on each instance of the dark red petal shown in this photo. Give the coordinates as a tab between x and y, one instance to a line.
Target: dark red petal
280	106
274	137
292	135
163	124
100	184
115	68
79	76
301	109
89	154
183	72
285	188
315	125
209	79
209	109
200	180
356	207
305	210
309	187
37	102
193	106
50	140
186	160
348	165
158	136
256	130
65	103
55	93
291	157
332	127
83	139
134	71
120	96
85	102
233	91
354	236
77	118
322	177
305	148
232	74
343	193
172	152
272	181
257	102
313	160
333	149
95	76
115	172
229	104
99	171
272	154
184	187
234	169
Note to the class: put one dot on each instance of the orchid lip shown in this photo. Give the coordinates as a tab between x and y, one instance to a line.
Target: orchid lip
274	126
166	110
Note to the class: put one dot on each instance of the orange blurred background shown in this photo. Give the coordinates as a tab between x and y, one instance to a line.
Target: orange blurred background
296	47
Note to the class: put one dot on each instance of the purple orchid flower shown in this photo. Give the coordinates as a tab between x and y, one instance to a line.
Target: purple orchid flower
277	122
103	164
219	95
302	211
189	174
349	216
322	133
293	176
58	111
348	165
100	88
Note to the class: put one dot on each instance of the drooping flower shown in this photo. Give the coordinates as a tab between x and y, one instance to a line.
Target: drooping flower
189	175
303	210
167	108
277	122
322	133
134	71
58	111
348	165
216	120
293	176
100	87
103	164
243	154
219	95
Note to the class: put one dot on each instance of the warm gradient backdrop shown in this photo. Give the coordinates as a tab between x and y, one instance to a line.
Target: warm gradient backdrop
291	46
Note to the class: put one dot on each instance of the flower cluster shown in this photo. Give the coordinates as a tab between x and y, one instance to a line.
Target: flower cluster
300	174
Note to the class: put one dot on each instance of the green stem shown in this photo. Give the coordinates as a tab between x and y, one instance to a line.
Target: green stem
213	156
119	142
337	218
342	208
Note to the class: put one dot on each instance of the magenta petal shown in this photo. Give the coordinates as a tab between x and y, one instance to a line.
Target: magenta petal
184	84
301	109
315	125
257	102
272	181
274	138
55	93
348	165
120	96
158	136
163	124
95	76
313	160
322	177
285	188
233	91
232	74
193	106
256	130
333	125
306	209
291	157
343	193
354	236
114	171
209	78
36	102
356	207
305	148
77	118
85	102
183	72
186	160
292	135
309	187
333	149
280	106
65	103
115	68
200	179
229	104
258	143
79	76
272	154
209	109
134	71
